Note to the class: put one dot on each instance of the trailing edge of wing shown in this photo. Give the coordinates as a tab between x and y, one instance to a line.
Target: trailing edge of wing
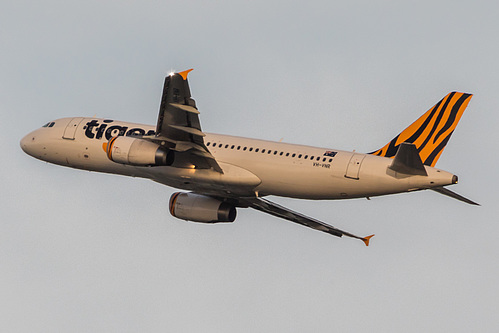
274	209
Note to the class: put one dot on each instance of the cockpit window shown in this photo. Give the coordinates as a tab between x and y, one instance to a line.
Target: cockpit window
49	124
46	125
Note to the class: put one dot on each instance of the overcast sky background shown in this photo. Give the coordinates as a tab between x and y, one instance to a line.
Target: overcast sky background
87	252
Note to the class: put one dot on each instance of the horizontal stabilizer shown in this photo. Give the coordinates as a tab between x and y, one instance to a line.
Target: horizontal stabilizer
408	161
449	193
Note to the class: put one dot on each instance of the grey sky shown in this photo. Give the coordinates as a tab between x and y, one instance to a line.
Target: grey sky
87	252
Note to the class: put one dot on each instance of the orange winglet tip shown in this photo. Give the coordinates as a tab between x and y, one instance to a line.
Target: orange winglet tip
184	73
366	240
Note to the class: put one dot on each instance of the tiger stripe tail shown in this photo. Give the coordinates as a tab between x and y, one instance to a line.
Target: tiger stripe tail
431	132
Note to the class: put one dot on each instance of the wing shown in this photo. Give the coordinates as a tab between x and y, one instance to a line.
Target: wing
271	208
178	126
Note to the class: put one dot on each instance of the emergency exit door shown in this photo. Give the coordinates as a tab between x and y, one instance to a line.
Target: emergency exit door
70	131
353	166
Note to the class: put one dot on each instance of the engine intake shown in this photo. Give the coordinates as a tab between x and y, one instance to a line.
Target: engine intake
201	208
135	151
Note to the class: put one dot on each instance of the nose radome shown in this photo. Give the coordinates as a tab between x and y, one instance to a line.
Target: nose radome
26	142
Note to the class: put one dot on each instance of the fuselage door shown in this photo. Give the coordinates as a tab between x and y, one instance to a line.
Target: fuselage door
70	131
353	167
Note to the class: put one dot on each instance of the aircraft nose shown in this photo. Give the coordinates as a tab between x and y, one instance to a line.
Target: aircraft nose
27	143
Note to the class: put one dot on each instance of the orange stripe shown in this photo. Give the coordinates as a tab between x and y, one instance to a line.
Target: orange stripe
427	131
110	148
173	200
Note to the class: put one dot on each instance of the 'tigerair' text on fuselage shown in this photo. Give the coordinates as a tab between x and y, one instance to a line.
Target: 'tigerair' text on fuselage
96	130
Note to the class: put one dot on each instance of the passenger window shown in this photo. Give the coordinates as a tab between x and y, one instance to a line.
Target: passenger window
330	160
226	146
293	155
238	147
207	144
269	152
251	149
263	151
256	150
281	153
306	156
245	148
299	156
220	146
232	147
287	154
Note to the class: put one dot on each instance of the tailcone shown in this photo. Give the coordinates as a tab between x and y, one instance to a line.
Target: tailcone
436	178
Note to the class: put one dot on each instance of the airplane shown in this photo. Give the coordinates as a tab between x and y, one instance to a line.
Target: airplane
221	173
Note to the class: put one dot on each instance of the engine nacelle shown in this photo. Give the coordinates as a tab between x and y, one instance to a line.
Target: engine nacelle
201	208
136	151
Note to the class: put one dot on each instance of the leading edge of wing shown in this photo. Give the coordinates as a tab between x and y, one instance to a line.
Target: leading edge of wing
274	209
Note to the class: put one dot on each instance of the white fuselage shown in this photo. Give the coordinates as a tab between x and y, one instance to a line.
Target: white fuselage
250	166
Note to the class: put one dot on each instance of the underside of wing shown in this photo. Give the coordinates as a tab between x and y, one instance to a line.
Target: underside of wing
178	126
274	209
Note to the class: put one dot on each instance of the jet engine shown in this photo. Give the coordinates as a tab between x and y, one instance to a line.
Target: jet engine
201	208
135	151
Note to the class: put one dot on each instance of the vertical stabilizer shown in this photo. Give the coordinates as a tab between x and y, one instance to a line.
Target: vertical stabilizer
431	132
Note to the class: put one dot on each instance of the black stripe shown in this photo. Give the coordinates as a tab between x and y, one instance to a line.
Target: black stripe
437	150
437	121
421	129
452	116
392	148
